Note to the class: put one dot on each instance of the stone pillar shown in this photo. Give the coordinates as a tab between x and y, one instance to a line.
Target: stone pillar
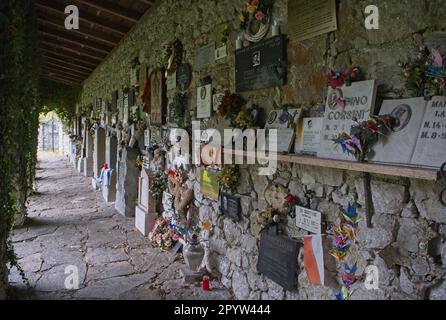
109	187
127	186
98	154
89	148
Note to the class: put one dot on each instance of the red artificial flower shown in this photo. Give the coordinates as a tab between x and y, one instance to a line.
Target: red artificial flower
335	79
290	200
260	15
254	2
171	173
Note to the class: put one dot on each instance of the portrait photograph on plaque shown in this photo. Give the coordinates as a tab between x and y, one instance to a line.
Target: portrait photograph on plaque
204	101
344	105
311	135
399	146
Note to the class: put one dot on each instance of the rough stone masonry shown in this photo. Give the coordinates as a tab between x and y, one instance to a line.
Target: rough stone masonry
408	241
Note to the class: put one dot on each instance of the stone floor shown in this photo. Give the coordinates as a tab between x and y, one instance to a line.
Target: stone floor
69	224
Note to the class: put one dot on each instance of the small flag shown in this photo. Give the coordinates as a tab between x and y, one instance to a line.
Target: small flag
314	259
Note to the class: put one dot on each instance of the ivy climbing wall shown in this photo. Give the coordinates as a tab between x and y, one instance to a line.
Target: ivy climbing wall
407	242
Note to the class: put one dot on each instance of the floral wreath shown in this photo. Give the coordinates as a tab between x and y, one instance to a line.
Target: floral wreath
256	10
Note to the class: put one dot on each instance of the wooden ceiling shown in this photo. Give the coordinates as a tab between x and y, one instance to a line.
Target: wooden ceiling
69	56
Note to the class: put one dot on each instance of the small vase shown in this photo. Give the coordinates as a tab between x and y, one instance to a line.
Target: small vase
193	253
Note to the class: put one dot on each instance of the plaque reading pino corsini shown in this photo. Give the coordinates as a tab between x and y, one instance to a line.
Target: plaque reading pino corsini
430	150
261	65
344	106
278	259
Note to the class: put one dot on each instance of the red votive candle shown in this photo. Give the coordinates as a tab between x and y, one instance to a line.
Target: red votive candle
205	283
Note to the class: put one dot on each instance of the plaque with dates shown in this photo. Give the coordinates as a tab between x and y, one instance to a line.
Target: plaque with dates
278	259
261	65
230	206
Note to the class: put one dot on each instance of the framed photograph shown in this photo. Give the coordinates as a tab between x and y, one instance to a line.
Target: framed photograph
209	186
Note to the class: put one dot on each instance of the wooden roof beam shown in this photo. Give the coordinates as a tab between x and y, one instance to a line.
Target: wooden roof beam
87	32
57	76
74	39
62	73
47	55
66	68
76	52
68	55
59	9
112	8
66	82
76	49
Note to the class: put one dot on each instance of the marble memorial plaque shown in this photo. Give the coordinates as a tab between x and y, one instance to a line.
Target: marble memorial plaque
311	134
311	18
230	206
114	104
204	101
285	139
309	220
430	150
399	145
205	56
261	65
278	259
359	104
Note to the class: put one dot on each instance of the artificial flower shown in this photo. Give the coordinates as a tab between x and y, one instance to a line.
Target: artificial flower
250	8
260	15
290	199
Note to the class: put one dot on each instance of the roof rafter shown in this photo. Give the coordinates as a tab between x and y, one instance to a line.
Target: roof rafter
112	8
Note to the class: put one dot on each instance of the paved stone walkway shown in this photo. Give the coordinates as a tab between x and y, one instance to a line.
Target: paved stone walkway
69	224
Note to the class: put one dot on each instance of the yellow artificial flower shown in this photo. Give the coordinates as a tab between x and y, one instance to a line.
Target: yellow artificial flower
242	17
250	8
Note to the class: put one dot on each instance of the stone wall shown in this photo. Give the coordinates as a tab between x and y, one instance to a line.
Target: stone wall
407	243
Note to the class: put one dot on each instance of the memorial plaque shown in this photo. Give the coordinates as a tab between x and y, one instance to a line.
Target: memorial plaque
359	102
230	206
430	150
278	259
171	81
209	185
311	134
184	76
309	220
311	18
157	97
204	101
399	145
205	56
261	65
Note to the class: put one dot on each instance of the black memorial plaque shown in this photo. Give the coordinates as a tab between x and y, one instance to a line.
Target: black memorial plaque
278	259
230	206
261	65
184	76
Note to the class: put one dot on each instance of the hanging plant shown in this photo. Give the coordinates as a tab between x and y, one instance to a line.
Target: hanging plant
158	185
426	75
228	178
179	106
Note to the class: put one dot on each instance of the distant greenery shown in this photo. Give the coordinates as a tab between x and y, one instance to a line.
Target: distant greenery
59	98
